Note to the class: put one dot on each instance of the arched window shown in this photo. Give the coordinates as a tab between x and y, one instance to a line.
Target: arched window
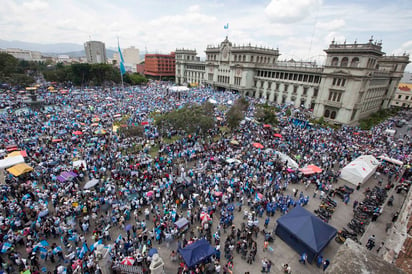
377	66
344	62
244	58
327	113
333	115
335	61
355	62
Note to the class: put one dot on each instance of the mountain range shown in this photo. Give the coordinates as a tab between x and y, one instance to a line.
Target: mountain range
70	49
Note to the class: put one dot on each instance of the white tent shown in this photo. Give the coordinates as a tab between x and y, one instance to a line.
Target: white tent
11	161
178	88
283	157
392	160
360	169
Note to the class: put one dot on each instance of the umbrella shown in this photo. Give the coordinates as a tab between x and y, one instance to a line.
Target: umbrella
128	227
145	123
77	132
100	131
150	193
128	261
56	140
91	183
277	135
267	126
218	193
152	251
95	119
94	124
230	207
204	215
258	145
43	213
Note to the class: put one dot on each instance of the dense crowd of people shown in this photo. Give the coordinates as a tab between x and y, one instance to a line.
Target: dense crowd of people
95	194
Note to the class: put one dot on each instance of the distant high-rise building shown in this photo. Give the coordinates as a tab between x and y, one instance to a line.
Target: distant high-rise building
131	57
95	52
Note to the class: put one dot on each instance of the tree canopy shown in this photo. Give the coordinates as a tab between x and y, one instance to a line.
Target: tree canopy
190	118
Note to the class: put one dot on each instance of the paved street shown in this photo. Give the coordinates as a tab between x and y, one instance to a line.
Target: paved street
282	253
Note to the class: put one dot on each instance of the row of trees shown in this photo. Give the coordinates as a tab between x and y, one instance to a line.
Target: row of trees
18	72
90	74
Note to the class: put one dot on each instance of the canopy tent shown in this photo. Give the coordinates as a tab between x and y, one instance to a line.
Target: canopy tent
66	176
178	88
196	252
304	232
11	161
182	222
17	153
310	169
79	163
286	159
20	169
360	169
391	160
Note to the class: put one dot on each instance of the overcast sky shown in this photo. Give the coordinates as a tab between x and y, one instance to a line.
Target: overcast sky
301	29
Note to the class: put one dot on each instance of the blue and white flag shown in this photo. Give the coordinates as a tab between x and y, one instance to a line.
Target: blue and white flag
118	239
93	246
6	246
122	68
83	251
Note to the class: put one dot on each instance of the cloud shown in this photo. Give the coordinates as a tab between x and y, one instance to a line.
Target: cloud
35	5
286	11
331	25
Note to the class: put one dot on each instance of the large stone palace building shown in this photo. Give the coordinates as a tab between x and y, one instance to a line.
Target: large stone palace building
356	80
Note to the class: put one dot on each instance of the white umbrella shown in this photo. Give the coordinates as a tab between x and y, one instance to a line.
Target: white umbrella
91	183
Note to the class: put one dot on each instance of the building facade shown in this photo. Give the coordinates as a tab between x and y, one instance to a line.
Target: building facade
403	94
22	54
189	68
357	79
95	52
160	65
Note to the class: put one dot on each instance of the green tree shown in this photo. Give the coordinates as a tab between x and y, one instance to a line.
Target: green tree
191	119
266	114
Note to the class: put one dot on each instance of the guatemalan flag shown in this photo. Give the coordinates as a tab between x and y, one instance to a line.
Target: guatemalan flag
6	246
93	246
122	68
83	251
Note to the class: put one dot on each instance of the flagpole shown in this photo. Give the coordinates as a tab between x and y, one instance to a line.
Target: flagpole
120	69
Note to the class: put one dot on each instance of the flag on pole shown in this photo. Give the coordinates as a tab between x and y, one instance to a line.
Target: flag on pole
93	246
122	68
226	26
119	238
83	251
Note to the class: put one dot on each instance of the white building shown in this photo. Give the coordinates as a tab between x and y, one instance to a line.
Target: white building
131	57
357	80
23	54
95	52
403	94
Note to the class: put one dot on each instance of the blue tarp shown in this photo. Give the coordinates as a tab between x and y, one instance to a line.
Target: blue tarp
196	252
304	232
